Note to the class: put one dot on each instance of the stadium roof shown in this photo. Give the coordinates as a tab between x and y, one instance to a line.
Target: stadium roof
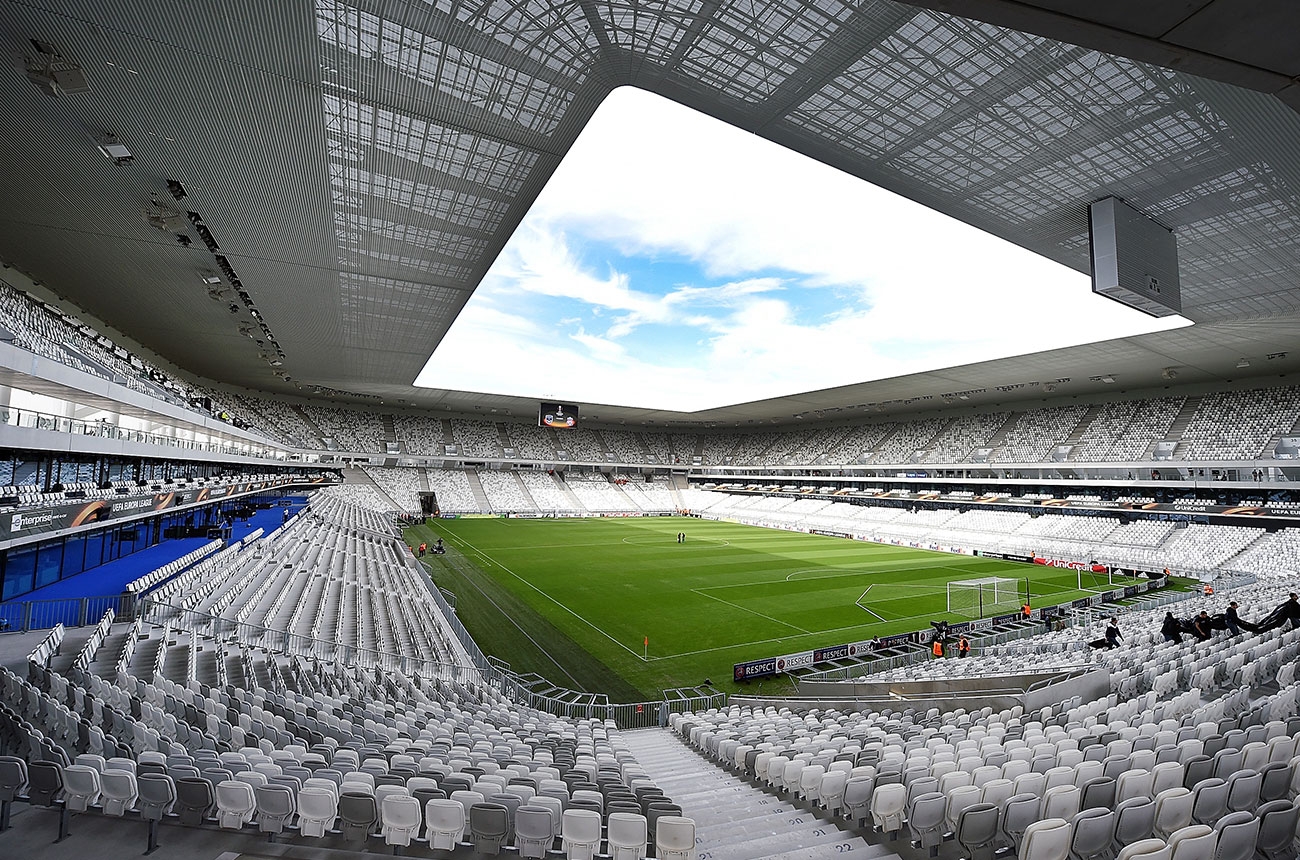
358	164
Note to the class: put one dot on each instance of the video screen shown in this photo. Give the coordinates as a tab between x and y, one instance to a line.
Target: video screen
561	416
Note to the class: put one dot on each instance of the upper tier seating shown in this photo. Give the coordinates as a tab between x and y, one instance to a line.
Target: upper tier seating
503	492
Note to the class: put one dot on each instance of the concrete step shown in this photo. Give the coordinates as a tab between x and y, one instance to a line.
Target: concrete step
735	819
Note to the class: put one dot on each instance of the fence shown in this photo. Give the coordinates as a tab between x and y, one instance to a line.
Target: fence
21	617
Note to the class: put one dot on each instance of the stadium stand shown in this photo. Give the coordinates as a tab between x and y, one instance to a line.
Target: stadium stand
544	491
421	435
476	438
453	490
504	492
400	485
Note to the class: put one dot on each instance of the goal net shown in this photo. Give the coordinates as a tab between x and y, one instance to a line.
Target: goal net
990	595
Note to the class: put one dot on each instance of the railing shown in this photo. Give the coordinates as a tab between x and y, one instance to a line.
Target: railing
103	429
23	616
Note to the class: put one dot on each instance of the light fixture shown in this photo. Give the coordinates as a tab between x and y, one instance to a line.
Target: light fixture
211	279
1169	373
1273	355
176	189
113	149
53	74
1243	362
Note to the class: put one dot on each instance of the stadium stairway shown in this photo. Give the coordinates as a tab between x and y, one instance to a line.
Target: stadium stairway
361	476
574	501
523	488
1179	424
733	819
476	488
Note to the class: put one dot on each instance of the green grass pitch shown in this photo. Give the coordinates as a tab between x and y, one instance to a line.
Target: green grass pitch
573	600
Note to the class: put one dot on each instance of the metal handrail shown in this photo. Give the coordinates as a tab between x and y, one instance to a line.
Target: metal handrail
104	429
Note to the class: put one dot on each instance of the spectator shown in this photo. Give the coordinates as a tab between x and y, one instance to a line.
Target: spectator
1171	629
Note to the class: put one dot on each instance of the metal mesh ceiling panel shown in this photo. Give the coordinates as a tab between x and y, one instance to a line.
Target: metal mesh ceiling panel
362	162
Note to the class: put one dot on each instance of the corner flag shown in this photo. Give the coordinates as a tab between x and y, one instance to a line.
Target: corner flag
647	648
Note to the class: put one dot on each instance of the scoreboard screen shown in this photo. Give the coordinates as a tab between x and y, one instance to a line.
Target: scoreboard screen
561	416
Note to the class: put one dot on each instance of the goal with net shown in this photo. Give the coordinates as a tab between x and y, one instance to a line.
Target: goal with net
989	595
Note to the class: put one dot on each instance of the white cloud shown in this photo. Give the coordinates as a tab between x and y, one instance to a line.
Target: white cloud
898	288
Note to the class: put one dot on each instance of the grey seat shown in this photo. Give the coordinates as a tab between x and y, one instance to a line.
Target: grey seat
157	795
534	831
1196	770
489	827
44	783
1173	811
920	786
1135	820
925	820
1237	832
1243	790
1093	831
193	800
1209	801
857	798
275	806
1275	781
1097	793
1019	812
1279	821
358	814
977	830
1228	762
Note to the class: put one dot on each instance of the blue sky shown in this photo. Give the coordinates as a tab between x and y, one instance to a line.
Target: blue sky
676	262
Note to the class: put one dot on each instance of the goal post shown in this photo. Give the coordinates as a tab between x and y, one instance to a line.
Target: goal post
989	595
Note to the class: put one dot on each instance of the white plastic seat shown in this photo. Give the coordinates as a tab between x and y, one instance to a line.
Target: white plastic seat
1047	839
626	834
118	791
675	838
444	823
1145	849
318	809
236	804
580	833
1194	842
80	787
887	804
400	819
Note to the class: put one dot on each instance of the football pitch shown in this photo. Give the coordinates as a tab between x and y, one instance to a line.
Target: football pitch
575	600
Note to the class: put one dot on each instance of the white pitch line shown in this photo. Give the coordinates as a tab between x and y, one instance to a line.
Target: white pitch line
858	603
752	611
553	600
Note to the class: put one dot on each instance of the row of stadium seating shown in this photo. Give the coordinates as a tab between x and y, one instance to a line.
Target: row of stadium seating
1143	545
1235	425
1196	741
1232	425
327	753
29	496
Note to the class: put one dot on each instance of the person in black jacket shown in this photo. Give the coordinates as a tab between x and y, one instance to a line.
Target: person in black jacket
1201	628
1113	636
1231	618
1171	629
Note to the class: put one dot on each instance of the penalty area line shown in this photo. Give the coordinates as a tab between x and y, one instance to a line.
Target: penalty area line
858	603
